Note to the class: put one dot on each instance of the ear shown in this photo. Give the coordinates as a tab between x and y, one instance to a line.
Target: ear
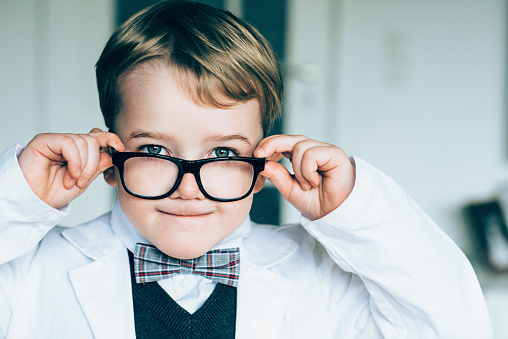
260	183
110	177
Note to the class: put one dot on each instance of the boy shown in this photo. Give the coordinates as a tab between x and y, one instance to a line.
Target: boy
179	82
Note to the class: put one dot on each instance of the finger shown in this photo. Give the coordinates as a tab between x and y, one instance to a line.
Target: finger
66	148
329	162
104	164
83	147
280	177
308	179
99	158
68	181
93	155
107	139
277	144
314	161
275	157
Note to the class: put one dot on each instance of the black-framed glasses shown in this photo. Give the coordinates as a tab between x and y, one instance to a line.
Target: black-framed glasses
155	176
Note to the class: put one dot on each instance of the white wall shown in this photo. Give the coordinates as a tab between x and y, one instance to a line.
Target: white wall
416	88
421	93
47	79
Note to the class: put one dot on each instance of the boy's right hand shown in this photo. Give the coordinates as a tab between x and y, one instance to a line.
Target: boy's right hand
60	167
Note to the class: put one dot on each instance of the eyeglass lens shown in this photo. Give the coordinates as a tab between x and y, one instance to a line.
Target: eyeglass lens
153	177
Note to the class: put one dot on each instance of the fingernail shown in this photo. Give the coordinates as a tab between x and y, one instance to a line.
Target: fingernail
82	182
261	152
70	183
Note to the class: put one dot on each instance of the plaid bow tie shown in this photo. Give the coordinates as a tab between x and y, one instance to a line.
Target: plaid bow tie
222	266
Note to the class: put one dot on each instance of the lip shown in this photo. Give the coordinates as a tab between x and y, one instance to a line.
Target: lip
186	214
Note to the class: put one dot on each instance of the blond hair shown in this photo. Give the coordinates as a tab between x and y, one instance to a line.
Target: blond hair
230	59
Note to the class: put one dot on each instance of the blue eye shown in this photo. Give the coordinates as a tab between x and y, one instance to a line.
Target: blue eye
152	149
223	152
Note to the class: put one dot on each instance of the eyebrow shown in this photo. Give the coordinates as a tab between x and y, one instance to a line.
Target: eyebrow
151	135
222	138
213	138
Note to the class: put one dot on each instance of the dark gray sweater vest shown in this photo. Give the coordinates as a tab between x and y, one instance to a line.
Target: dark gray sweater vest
157	315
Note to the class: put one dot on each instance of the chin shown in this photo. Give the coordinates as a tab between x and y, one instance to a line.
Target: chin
181	251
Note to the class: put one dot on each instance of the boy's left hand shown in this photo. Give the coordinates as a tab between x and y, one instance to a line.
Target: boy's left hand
323	174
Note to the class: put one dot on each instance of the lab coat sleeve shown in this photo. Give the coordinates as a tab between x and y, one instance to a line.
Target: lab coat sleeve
24	218
420	283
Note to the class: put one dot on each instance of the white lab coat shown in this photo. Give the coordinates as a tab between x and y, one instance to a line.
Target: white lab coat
380	268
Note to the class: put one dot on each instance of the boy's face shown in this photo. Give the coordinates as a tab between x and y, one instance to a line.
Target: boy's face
158	116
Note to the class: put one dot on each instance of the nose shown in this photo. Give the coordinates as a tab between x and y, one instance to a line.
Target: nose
188	189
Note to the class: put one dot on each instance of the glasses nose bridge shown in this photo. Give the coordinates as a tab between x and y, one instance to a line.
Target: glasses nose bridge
190	166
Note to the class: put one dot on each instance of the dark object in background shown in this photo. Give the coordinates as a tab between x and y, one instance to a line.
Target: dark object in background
489	226
266	206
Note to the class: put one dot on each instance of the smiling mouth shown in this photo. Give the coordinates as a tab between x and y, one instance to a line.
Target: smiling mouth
186	214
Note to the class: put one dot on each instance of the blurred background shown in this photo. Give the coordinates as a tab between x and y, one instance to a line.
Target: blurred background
417	88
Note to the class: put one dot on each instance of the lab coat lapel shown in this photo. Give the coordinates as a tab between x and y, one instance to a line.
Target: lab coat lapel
262	294
103	287
262	300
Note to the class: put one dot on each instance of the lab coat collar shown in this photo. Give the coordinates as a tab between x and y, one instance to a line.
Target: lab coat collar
103	287
104	292
262	294
94	239
263	246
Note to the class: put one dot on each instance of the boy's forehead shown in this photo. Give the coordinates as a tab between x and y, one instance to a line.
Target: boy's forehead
155	105
207	95
141	80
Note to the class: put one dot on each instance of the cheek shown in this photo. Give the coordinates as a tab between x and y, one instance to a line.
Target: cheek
135	209
234	213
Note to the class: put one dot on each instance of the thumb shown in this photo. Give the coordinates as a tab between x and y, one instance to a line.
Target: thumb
104	163
280	177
